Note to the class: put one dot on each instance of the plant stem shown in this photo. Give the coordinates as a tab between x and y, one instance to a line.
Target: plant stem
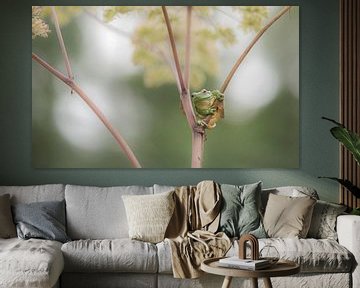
250	46
198	136
198	141
184	94
61	43
333	121
114	132
188	48
198	132
173	48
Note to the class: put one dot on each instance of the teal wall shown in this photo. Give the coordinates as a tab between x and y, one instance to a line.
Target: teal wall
319	69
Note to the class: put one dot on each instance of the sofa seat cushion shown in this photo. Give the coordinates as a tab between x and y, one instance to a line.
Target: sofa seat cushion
30	263
115	255
313	255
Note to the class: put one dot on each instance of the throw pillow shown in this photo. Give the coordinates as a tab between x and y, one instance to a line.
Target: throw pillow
149	215
323	223
43	220
7	227
288	217
240	213
291	191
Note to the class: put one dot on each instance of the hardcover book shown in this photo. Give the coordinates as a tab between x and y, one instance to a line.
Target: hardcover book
236	262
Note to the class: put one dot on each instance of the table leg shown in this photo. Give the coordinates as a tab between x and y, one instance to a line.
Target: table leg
254	282
267	283
227	282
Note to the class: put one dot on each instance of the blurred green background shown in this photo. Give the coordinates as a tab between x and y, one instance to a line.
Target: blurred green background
260	129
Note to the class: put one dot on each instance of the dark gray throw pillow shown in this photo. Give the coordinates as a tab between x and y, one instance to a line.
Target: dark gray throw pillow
43	220
240	213
7	227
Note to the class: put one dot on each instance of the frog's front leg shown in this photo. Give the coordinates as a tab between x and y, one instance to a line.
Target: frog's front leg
202	123
218	95
207	111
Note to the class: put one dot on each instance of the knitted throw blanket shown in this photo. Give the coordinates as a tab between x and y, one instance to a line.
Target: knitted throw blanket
191	232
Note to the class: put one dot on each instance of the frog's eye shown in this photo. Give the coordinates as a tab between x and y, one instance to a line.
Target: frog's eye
203	90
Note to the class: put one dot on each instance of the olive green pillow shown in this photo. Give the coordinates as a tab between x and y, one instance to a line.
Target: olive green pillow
288	217
240	212
7	226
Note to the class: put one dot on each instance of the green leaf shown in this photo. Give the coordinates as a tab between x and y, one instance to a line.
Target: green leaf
349	139
226	35
253	17
333	121
355	211
347	184
111	12
155	76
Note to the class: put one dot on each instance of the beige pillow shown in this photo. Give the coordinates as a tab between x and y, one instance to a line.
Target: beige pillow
7	226
288	217
149	215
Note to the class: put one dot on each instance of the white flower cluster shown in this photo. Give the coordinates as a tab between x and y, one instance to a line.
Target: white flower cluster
39	27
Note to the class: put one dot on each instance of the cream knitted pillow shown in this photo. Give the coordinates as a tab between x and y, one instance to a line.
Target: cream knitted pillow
149	215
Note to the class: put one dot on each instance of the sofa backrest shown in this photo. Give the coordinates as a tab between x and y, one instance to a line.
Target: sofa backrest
36	193
293	191
98	212
162	188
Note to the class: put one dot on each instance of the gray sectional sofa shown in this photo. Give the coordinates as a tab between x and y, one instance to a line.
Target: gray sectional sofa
101	254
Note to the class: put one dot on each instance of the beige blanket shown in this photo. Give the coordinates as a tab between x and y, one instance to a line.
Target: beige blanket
191	231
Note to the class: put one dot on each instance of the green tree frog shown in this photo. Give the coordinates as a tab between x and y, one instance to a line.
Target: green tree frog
208	106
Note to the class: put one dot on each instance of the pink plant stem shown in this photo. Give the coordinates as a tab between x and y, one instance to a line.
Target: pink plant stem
173	48
198	142
184	92
250	46
188	48
114	132
198	132
61	43
197	136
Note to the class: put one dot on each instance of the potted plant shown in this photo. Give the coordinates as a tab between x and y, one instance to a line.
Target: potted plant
351	141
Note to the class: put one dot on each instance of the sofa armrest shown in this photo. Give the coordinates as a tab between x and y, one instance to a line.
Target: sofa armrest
348	230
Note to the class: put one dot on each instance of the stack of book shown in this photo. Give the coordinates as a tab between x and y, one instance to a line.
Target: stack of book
248	264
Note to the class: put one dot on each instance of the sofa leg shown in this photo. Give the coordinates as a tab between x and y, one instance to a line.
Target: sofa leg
267	283
227	282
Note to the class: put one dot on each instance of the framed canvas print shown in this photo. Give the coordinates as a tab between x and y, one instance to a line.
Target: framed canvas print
165	87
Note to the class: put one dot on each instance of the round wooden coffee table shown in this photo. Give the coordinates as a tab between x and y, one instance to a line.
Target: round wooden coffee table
281	268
